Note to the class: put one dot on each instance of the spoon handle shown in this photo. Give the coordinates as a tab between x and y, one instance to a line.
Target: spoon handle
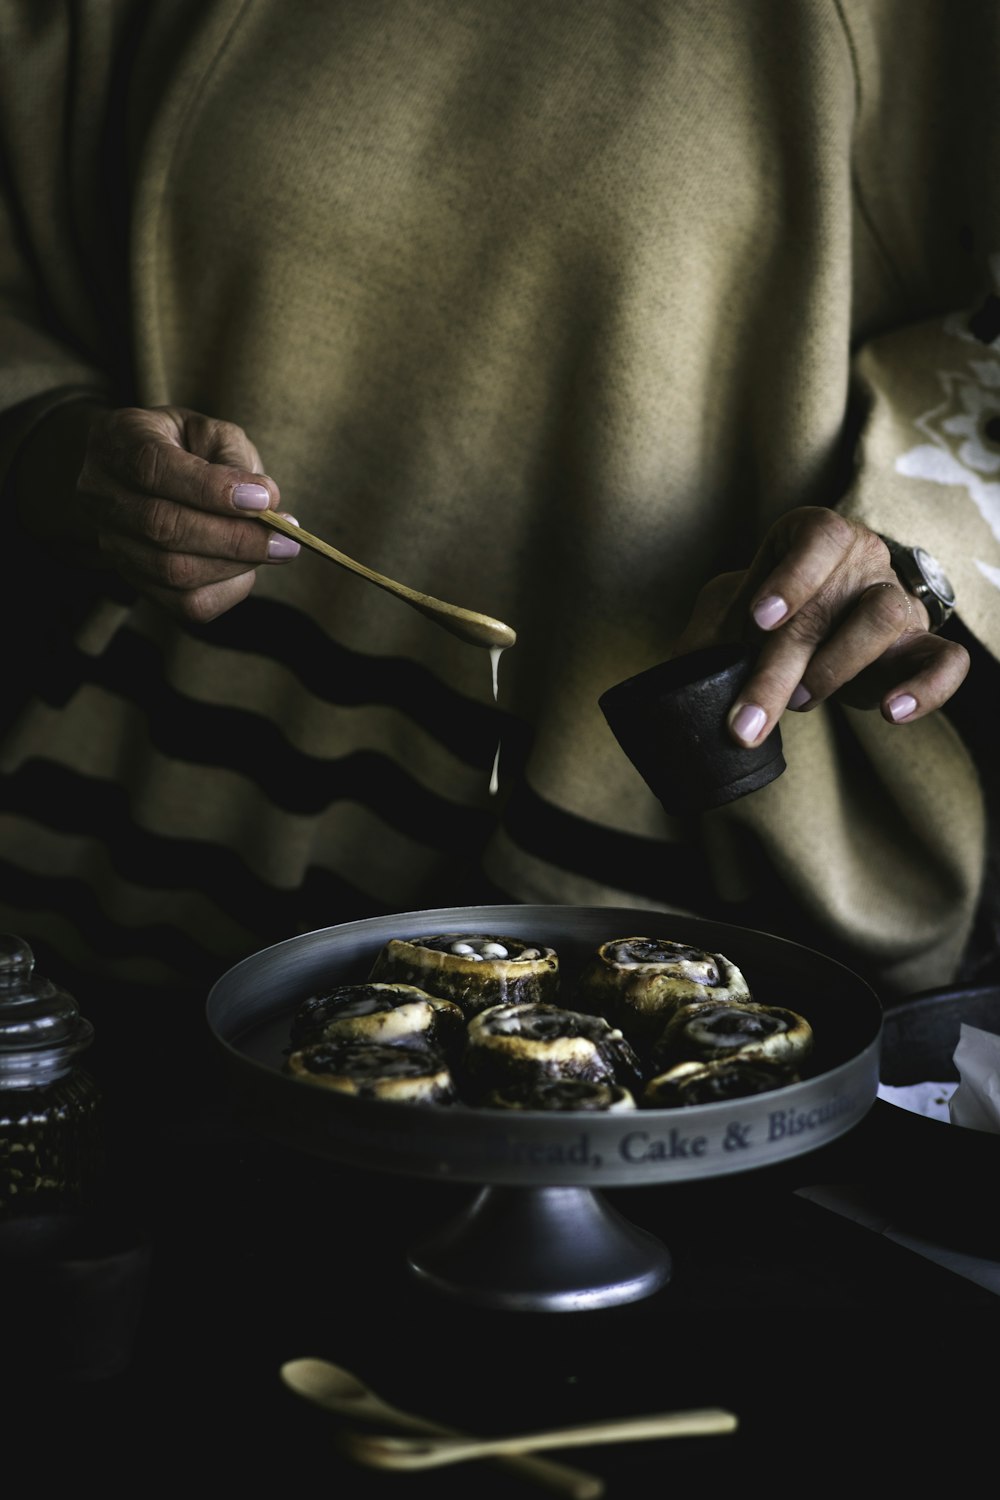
401	1453
575	1484
468	624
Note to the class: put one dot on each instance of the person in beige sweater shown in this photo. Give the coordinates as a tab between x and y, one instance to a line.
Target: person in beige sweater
635	328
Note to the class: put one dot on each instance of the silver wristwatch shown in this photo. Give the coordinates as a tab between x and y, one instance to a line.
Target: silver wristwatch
923	576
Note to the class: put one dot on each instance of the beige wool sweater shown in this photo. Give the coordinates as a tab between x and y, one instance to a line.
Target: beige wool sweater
549	310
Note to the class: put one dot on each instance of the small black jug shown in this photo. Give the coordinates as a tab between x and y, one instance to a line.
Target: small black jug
671	722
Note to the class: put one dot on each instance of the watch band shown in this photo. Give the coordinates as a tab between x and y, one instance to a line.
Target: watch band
923	577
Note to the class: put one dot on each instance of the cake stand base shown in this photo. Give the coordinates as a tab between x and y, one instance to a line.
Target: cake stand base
544	1249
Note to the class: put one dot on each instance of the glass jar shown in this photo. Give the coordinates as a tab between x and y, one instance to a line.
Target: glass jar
50	1107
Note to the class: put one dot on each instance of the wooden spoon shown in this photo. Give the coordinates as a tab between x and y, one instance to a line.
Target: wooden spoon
337	1390
467	624
429	1452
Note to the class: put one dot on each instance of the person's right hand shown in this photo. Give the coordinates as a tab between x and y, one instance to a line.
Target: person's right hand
167	494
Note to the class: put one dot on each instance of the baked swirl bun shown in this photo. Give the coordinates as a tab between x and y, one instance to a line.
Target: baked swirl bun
562	1094
394	1013
718	1029
376	1070
638	982
521	1045
736	1077
476	970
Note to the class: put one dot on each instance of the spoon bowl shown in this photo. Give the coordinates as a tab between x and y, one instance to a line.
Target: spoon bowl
339	1390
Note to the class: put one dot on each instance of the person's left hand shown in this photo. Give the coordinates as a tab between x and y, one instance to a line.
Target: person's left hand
831	618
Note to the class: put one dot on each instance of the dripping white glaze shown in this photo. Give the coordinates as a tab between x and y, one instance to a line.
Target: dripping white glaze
495	654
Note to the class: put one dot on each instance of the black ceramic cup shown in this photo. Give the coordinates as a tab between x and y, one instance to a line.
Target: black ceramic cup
671	723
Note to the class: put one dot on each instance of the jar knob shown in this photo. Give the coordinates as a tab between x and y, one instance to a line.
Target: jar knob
17	962
41	1028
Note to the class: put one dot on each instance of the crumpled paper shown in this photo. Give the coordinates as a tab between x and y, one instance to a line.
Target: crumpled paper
976	1101
930	1099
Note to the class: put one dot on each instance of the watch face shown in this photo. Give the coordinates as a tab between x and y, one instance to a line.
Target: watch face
934	575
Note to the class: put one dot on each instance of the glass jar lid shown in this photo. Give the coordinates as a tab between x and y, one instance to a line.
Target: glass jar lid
41	1028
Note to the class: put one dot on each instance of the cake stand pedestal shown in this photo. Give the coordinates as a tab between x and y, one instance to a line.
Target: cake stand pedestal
549	1249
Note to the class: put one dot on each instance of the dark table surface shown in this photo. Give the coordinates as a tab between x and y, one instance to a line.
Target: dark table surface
843	1353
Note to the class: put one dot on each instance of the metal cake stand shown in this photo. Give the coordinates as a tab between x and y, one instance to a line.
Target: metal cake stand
538	1235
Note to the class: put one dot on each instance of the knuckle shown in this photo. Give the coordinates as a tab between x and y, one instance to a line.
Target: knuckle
772	682
215	484
204	605
198	430
229	434
244	541
808	626
827	527
821	678
177	571
143	463
878	552
888	608
953	663
799	581
198	608
162	523
119	422
211	435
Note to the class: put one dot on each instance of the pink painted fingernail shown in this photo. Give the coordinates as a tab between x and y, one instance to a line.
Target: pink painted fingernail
800	697
902	707
770	611
281	547
747	722
251	497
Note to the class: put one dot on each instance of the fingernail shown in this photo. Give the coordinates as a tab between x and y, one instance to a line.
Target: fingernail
251	497
281	547
902	707
800	697
747	722
768	612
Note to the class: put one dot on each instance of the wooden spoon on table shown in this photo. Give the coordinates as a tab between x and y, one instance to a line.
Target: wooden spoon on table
429	1452
338	1390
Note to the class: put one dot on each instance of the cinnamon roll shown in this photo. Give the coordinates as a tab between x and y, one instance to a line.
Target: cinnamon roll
476	970
638	983
399	1014
737	1077
717	1029
520	1045
376	1070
